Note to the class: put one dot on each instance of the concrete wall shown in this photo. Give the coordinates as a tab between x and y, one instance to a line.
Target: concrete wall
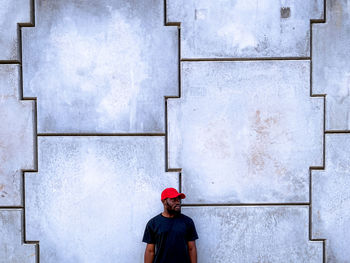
242	105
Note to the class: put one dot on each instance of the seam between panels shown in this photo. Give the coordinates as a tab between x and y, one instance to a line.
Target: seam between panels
317	21
178	25
35	124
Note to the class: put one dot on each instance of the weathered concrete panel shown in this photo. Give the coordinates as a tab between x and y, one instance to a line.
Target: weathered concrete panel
254	234
100	66
331	199
12	248
12	12
16	136
250	28
331	67
93	196
245	131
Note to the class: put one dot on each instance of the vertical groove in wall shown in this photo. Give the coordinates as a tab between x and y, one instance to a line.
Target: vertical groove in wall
179	58
167	168
180	87
166	133
35	137
180	182
24	233
323	132
21	98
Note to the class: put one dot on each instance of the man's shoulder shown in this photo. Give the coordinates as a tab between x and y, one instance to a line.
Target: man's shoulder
155	219
186	218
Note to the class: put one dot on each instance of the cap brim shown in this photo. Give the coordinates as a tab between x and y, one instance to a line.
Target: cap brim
182	196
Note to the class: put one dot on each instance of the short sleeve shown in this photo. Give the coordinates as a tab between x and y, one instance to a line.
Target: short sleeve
191	231
149	236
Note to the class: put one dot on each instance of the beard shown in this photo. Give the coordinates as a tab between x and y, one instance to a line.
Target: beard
173	210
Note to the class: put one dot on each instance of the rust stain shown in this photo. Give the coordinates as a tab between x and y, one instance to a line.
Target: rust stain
259	154
3	192
258	160
280	170
218	143
262	127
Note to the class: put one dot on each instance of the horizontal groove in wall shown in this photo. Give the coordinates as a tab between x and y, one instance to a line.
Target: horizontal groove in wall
25	24
30	171
317	168
173	24
318	240
100	134
29	98
32	242
174	170
336	131
249	204
10	62
317	21
318	95
243	59
10	207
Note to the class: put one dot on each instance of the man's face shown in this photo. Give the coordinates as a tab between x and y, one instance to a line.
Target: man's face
173	205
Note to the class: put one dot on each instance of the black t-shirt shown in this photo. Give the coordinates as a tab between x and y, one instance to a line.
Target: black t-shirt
170	235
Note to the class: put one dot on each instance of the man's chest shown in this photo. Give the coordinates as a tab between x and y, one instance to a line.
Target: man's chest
172	228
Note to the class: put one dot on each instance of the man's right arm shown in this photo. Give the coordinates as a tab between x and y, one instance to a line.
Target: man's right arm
149	253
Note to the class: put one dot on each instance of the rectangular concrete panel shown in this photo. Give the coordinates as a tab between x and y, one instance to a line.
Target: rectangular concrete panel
92	197
100	66
16	136
331	67
254	234
331	199
243	29
245	131
12	12
12	249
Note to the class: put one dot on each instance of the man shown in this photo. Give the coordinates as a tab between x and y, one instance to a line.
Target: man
170	236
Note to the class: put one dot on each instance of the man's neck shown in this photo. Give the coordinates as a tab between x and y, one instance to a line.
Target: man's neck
169	215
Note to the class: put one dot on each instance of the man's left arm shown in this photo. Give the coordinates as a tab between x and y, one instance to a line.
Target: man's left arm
192	250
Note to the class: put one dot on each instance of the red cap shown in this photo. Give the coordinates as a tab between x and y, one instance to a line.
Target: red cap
171	193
